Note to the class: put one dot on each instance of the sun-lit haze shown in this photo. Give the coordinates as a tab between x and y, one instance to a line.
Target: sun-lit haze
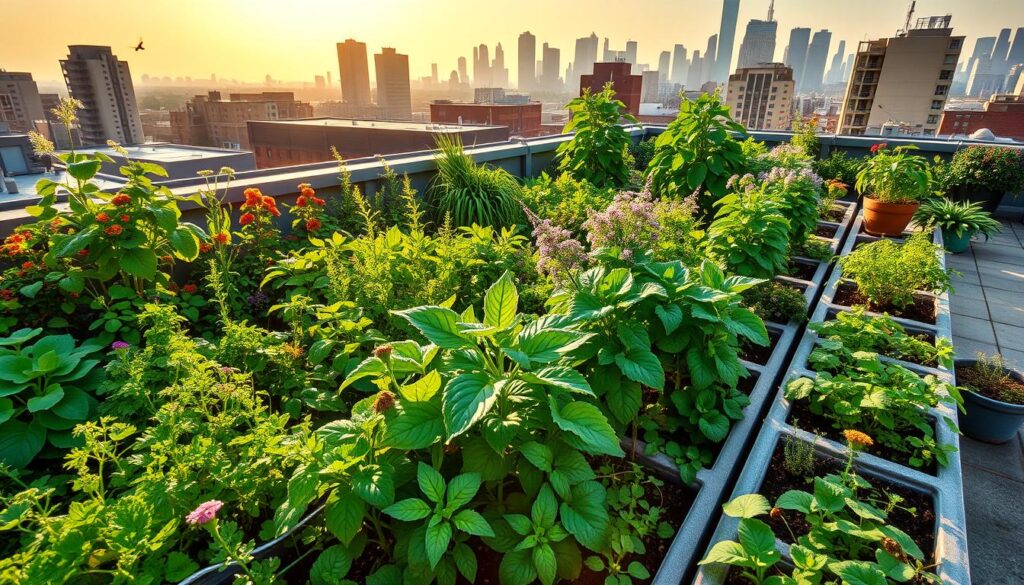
294	40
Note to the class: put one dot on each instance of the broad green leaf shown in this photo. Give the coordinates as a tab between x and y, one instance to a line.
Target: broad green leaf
54	394
545	563
758	539
471	522
561	377
858	573
20	442
465	561
344	515
467	398
422	389
139	262
727	552
517	568
179	566
414	425
461	490
588	423
585	515
501	302
185	243
438	324
331	566
408	510
371	366
438	537
641	365
795	500
431	482
539	455
747	506
374	486
545	507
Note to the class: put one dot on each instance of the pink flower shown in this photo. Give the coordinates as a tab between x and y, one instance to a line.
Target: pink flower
119	345
204	513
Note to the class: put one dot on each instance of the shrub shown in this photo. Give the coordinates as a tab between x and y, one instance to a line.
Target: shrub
888	273
598	151
750	234
894	176
773	301
805	136
629	226
696	153
470	193
853	331
991	168
642	153
566	201
797	192
956	217
680	236
839	166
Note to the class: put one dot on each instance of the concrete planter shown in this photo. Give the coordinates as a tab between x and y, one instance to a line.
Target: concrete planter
987	419
812	288
946	488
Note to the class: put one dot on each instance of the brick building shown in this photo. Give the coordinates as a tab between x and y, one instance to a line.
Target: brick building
521	119
210	120
628	87
1003	115
295	142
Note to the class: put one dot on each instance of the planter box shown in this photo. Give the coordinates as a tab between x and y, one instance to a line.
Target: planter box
946	488
812	288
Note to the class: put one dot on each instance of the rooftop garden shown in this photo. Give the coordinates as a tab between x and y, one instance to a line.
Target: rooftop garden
473	383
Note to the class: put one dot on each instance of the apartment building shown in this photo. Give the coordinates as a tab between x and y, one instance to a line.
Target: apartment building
761	98
102	83
20	104
210	120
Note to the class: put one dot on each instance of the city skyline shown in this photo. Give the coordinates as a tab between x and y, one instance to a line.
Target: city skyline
428	36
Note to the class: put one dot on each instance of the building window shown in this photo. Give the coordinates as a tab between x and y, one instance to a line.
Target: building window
954	45
933	119
946	74
941	89
950	60
936	104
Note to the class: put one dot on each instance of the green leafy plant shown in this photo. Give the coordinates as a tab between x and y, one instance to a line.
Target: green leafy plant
992	168
774	301
958	218
990	376
566	201
599	149
839	166
642	152
469	193
696	152
855	330
750	234
49	387
888	273
893	175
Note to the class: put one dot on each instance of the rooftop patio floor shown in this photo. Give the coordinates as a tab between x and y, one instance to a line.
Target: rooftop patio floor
988	315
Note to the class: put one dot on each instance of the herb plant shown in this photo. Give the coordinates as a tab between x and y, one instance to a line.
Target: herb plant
958	218
599	149
888	274
750	234
893	175
855	330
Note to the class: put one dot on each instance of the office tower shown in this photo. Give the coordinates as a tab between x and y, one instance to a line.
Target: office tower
796	53
761	98
651	87
984	78
679	64
482	67
1001	51
758	44
320	81
664	65
101	82
463	75
354	73
551	65
606	53
584	57
211	120
708	63
726	40
693	74
817	55
835	70
901	83
394	100
329	82
20	104
631	52
627	87
527	61
433	73
1016	55
499	73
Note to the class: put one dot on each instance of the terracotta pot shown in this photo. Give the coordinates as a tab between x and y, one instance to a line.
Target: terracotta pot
887	219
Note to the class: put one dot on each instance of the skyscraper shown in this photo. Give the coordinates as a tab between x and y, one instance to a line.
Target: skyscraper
758	44
835	70
499	73
679	64
463	75
95	76
584	57
1001	51
796	53
761	97
708	64
394	99
902	82
817	55
693	74
631	52
433	73
664	61
1016	55
551	66
482	67
354	73
527	61
726	40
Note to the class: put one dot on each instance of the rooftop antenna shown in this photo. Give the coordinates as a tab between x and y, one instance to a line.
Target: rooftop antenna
771	11
910	15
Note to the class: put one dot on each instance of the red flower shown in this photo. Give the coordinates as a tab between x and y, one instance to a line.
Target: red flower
6	294
83	252
121	199
166	258
246	219
27	264
307	191
190	288
102	217
301	201
880	146
313	224
126	218
319	201
220	238
205	247
114	230
253	198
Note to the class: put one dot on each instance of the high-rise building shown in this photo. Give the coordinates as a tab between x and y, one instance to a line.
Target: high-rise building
354	73
499	73
817	55
693	74
664	66
482	67
651	86
527	61
95	77
1001	51
708	64
394	99
1016	55
463	75
551	66
320	81
20	104
761	98
758	44
627	86
631	52
680	65
584	57
902	81
210	120
835	70
726	40
796	53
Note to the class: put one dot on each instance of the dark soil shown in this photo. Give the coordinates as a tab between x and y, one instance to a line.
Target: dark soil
923	308
675	501
802	270
919	524
826	231
802	417
760	354
1004	389
835	214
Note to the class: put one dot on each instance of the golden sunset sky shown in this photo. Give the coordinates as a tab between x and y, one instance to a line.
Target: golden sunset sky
294	39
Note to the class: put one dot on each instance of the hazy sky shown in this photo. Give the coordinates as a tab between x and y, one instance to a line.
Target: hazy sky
294	39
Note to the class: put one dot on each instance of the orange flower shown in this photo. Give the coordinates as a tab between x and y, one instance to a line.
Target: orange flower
102	217
307	191
27	264
220	238
318	201
114	230
246	219
121	199
205	247
126	218
301	201
858	438
253	198
313	224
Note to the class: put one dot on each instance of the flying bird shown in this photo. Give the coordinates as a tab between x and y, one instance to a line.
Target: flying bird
139	46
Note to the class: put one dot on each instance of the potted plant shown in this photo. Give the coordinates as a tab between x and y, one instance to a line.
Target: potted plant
983	174
959	221
893	182
994	400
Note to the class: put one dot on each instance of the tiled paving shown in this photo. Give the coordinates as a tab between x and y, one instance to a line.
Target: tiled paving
988	316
